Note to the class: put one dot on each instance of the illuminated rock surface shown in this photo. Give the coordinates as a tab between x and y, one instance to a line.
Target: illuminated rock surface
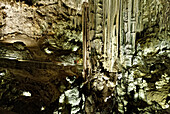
128	42
126	56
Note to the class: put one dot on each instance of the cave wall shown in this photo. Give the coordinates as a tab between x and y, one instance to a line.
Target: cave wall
48	28
147	75
40	54
126	55
127	51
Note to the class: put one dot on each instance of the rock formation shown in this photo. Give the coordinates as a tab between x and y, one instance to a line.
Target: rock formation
122	45
127	46
40	50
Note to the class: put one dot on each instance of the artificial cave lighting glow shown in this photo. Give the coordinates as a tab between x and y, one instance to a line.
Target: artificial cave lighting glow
75	48
25	93
42	108
2	74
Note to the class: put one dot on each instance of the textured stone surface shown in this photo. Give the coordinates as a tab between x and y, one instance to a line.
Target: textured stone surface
39	41
127	56
52	28
44	81
133	42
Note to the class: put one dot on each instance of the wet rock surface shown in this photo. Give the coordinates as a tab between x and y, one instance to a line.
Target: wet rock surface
41	57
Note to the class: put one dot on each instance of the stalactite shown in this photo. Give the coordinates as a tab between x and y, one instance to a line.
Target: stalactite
115	27
85	39
105	25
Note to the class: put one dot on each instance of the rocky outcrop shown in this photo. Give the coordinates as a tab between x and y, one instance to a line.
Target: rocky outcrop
125	48
48	28
143	78
40	53
129	42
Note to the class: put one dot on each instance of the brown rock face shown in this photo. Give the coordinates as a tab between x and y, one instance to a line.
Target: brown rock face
126	56
40	42
47	28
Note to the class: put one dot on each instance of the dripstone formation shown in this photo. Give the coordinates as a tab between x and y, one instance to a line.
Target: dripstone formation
84	56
